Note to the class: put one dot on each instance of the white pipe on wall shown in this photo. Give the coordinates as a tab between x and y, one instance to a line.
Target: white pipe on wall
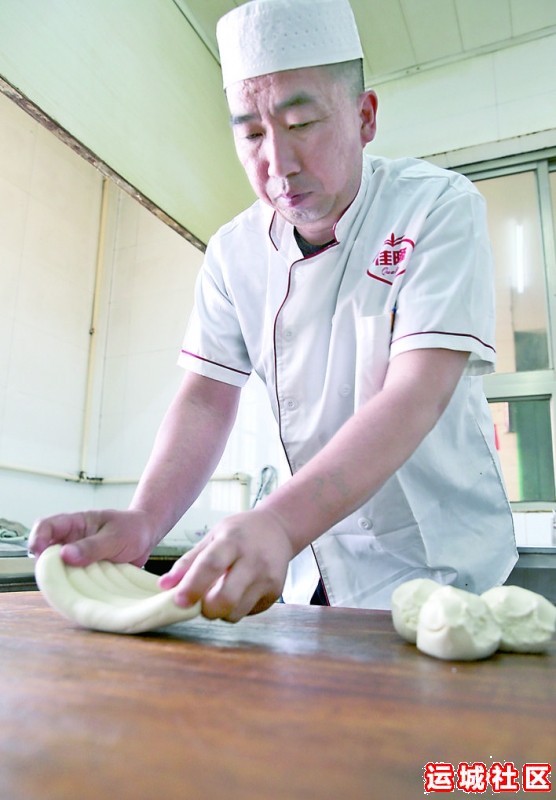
242	478
93	328
43	473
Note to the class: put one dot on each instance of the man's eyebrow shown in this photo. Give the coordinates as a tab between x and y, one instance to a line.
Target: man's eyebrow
299	99
241	119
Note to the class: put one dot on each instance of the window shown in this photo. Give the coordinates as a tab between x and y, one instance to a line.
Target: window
521	201
515	232
522	430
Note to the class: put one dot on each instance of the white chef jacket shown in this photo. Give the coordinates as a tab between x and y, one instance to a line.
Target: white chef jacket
410	268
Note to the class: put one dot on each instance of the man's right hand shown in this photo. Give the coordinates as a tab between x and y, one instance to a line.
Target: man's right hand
117	536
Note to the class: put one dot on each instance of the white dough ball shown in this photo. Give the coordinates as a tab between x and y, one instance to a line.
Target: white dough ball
406	603
527	619
457	625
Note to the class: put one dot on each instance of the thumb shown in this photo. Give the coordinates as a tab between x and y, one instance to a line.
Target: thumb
80	554
102	545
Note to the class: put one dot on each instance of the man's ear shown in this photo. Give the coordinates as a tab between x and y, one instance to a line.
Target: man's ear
368	105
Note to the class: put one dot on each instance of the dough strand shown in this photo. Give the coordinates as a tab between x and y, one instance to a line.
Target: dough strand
117	598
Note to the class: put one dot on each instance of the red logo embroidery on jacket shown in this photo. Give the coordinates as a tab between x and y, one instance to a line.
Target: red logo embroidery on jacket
391	259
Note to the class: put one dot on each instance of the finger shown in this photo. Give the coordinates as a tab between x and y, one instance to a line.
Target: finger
103	541
211	563
84	552
180	567
85	537
219	605
55	530
237	594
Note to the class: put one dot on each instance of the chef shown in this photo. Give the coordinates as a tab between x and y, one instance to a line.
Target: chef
360	290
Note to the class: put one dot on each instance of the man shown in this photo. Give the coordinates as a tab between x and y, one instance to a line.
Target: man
361	291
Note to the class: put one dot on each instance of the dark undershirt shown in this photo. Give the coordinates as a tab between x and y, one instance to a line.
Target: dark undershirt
306	247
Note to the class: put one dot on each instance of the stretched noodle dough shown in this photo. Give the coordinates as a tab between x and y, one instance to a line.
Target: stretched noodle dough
118	598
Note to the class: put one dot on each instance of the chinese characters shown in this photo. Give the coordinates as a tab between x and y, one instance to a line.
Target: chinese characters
477	777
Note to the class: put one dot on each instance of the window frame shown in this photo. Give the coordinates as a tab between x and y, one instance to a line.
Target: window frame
539	384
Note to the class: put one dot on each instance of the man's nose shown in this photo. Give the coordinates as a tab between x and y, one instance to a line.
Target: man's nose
281	155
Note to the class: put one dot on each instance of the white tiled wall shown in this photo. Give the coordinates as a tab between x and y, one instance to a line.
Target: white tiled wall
50	216
151	271
488	98
49	205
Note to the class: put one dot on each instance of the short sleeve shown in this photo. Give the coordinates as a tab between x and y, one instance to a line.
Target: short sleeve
446	299
213	344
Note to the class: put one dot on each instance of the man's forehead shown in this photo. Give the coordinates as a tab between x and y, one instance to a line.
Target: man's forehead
297	100
278	92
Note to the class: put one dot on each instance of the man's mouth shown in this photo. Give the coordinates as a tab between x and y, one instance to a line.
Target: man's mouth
292	199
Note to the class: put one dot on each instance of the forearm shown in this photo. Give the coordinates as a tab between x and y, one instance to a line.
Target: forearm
186	451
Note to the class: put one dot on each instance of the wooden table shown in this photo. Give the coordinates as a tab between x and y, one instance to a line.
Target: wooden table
299	702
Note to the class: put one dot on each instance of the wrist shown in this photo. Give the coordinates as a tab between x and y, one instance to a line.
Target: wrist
294	523
148	523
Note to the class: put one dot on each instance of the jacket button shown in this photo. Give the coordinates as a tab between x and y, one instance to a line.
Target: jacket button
345	390
365	523
291	404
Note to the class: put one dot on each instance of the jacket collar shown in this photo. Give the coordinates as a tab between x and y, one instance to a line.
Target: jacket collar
281	233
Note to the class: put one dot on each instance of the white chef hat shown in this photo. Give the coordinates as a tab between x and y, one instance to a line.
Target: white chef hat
264	36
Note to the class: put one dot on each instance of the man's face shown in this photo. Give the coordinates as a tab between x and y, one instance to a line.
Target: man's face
299	136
